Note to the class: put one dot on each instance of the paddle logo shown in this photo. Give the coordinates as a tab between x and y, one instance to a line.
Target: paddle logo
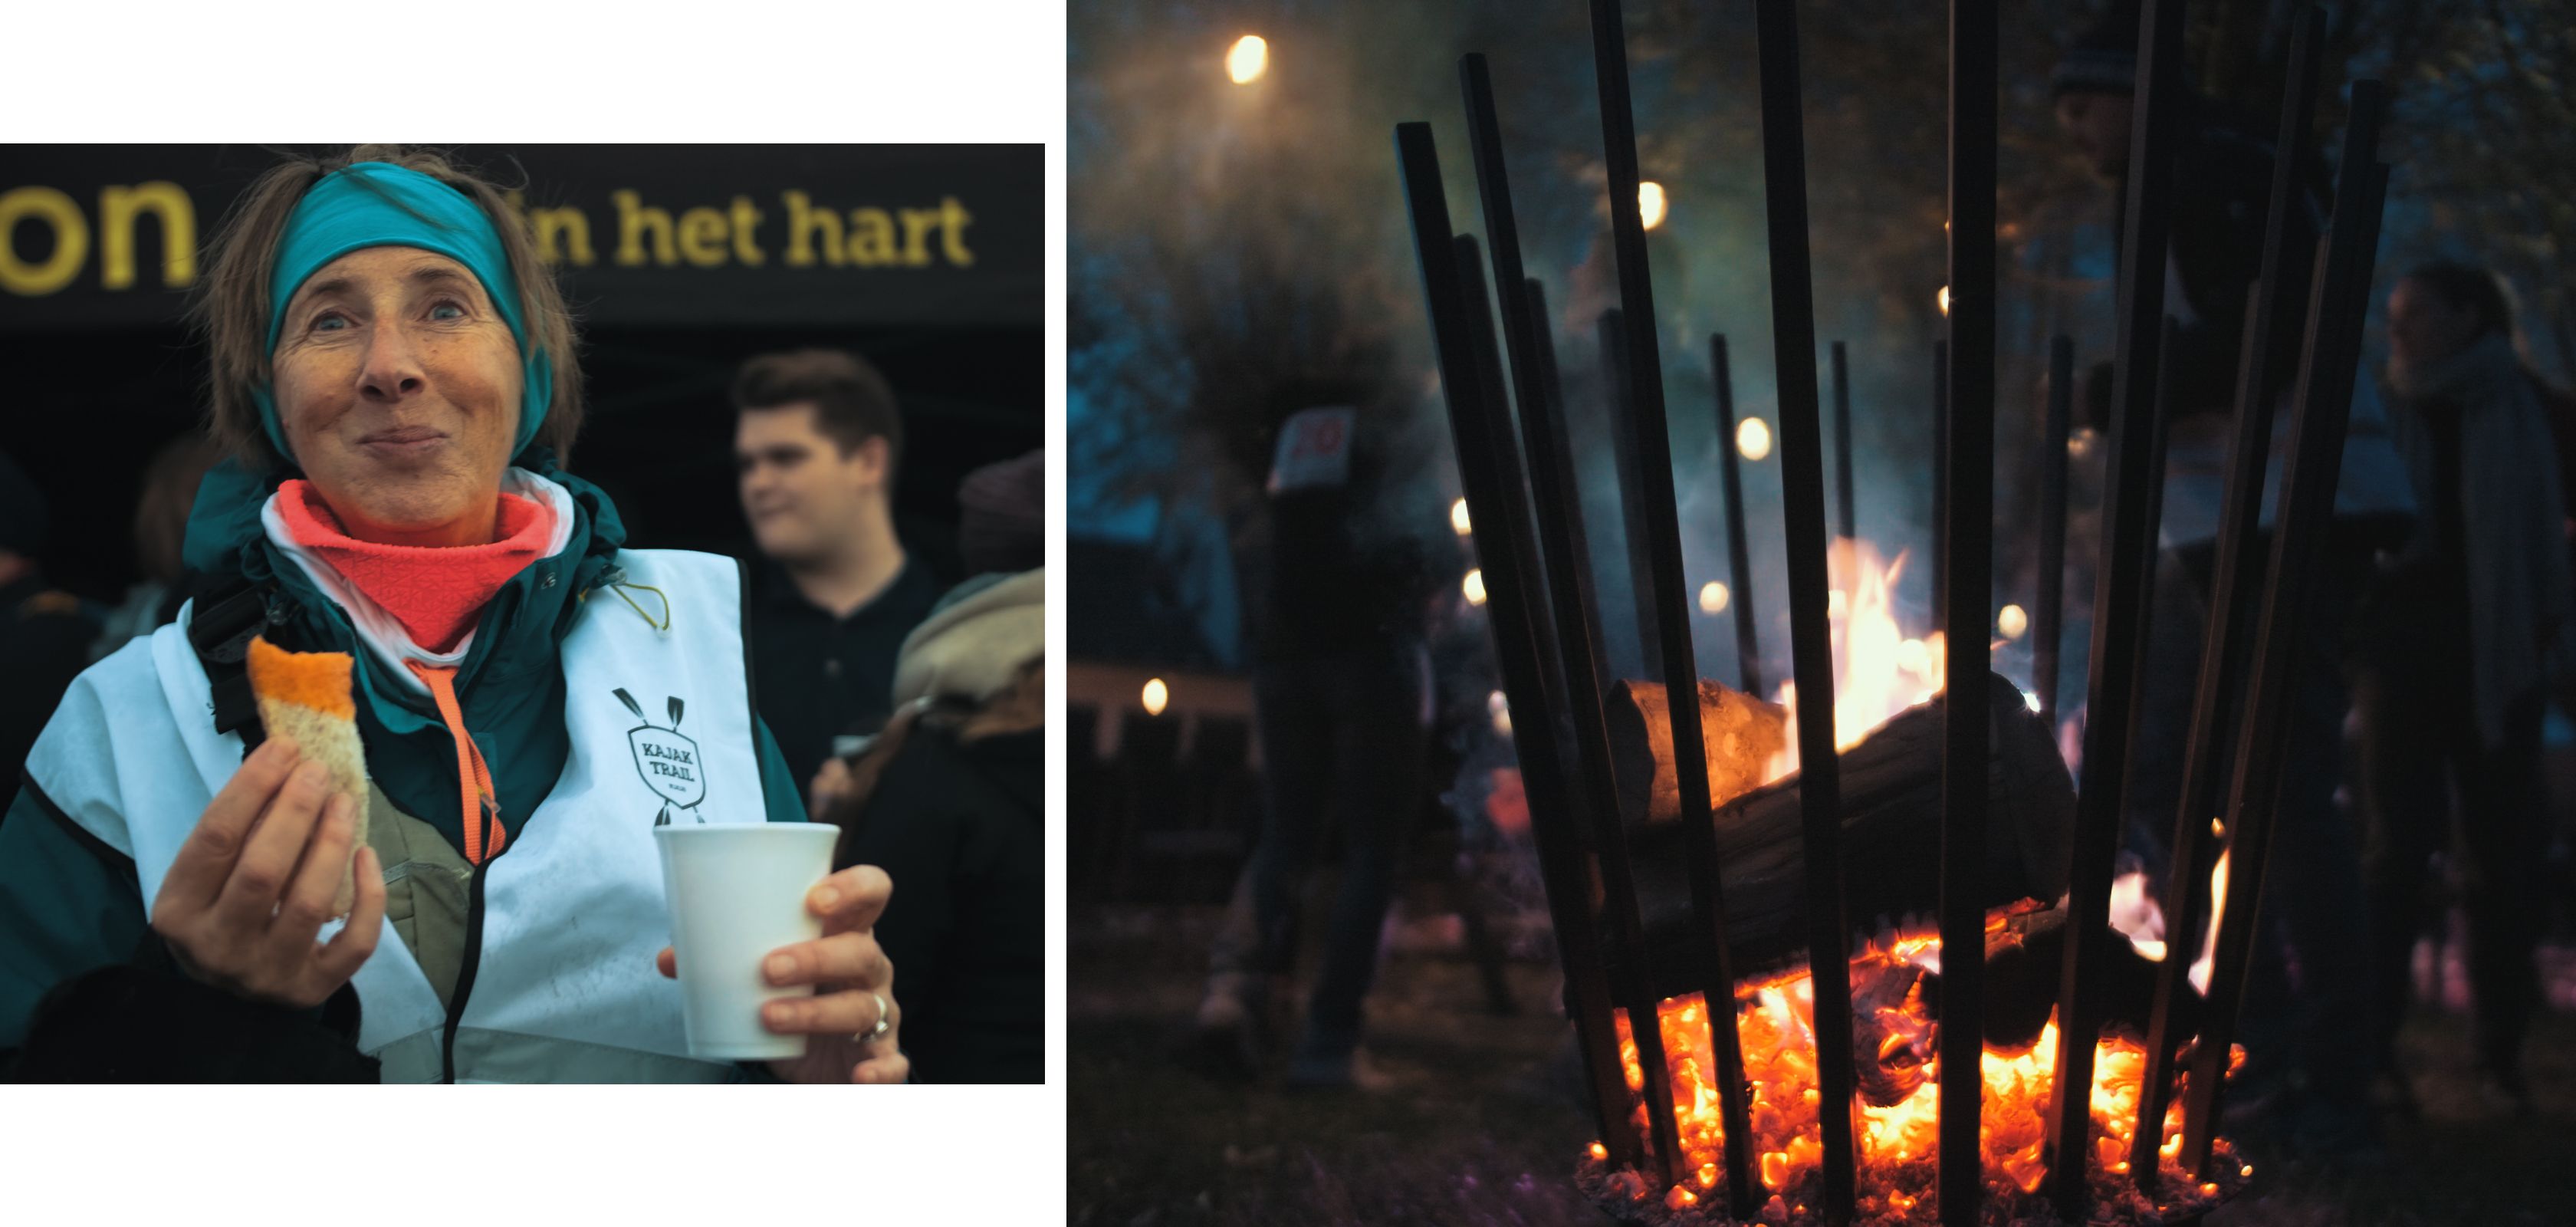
667	761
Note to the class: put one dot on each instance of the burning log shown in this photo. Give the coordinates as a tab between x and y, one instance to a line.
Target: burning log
1891	822
1891	830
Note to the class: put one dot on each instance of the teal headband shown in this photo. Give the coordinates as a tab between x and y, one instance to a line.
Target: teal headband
379	204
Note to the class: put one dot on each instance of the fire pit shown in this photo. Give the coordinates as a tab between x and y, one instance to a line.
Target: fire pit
1815	1095
1898	1140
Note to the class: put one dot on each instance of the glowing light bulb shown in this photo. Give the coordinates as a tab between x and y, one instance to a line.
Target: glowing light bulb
1156	696
2013	621
1474	587
1500	709
1753	438
1248	59
1458	517
1712	597
1651	205
1945	300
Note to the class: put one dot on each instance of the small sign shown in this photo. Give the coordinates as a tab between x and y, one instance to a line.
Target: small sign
1314	450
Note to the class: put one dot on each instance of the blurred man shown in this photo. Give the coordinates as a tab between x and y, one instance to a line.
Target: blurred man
44	632
1342	696
2298	1020
817	440
2456	648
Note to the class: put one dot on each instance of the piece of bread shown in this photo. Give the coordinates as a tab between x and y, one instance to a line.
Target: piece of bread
304	697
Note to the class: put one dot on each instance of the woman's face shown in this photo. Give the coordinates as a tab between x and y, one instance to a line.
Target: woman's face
2425	327
398	391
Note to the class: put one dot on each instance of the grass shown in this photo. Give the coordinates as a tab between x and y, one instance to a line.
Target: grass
1482	1125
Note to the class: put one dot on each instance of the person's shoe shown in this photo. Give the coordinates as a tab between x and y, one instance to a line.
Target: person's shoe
1348	1069
1232	1036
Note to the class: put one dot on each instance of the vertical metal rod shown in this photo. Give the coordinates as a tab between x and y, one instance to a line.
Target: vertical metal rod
1793	331
2226	644
2331	354
1571	646
1967	586
1589	983
1846	522
1617	393
1665	588
2119	603
1553	448
1739	556
1489	473
1941	486
2048	620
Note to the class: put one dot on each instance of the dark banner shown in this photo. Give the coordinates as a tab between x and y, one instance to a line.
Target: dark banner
111	235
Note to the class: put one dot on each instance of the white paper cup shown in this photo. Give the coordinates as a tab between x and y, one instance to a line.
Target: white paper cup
737	892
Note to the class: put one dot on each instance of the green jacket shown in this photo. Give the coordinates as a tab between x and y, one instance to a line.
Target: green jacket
70	904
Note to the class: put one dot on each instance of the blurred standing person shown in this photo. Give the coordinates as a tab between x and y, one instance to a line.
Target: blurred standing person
2308	987
1342	695
817	440
951	798
2460	627
160	526
45	643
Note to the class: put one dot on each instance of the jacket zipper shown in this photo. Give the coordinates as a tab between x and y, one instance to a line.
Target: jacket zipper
465	973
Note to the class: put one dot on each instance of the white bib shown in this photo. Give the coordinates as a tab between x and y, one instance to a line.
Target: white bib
564	988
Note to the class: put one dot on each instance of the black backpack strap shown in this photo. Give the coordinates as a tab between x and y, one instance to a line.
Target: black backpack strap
226	619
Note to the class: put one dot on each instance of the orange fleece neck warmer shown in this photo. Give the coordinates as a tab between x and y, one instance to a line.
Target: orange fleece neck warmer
435	592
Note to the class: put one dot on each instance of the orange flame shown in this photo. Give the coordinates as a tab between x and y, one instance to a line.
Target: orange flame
1880	671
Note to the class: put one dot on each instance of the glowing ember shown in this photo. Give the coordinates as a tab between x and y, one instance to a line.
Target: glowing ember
1899	1142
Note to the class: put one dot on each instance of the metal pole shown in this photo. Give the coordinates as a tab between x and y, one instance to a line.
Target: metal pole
2234	575
1793	330
2119	603
2048	621
1617	392
1569	574
1846	522
1556	446
2332	351
1489	472
1664	587
1941	486
1739	557
1967	585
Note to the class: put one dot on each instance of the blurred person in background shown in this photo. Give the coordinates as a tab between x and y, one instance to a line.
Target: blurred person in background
160	526
45	633
1342	695
817	439
2462	628
950	799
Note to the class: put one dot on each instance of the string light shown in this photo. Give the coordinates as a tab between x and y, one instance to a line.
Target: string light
1753	438
1156	696
1248	59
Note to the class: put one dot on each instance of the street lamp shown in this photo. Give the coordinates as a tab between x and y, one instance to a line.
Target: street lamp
1248	59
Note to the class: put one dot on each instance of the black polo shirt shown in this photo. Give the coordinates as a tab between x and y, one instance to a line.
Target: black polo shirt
821	677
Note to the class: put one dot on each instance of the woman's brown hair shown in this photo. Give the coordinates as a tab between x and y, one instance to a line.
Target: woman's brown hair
231	306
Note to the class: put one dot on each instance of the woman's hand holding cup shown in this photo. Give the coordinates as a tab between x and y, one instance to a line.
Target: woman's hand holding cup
252	886
850	974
